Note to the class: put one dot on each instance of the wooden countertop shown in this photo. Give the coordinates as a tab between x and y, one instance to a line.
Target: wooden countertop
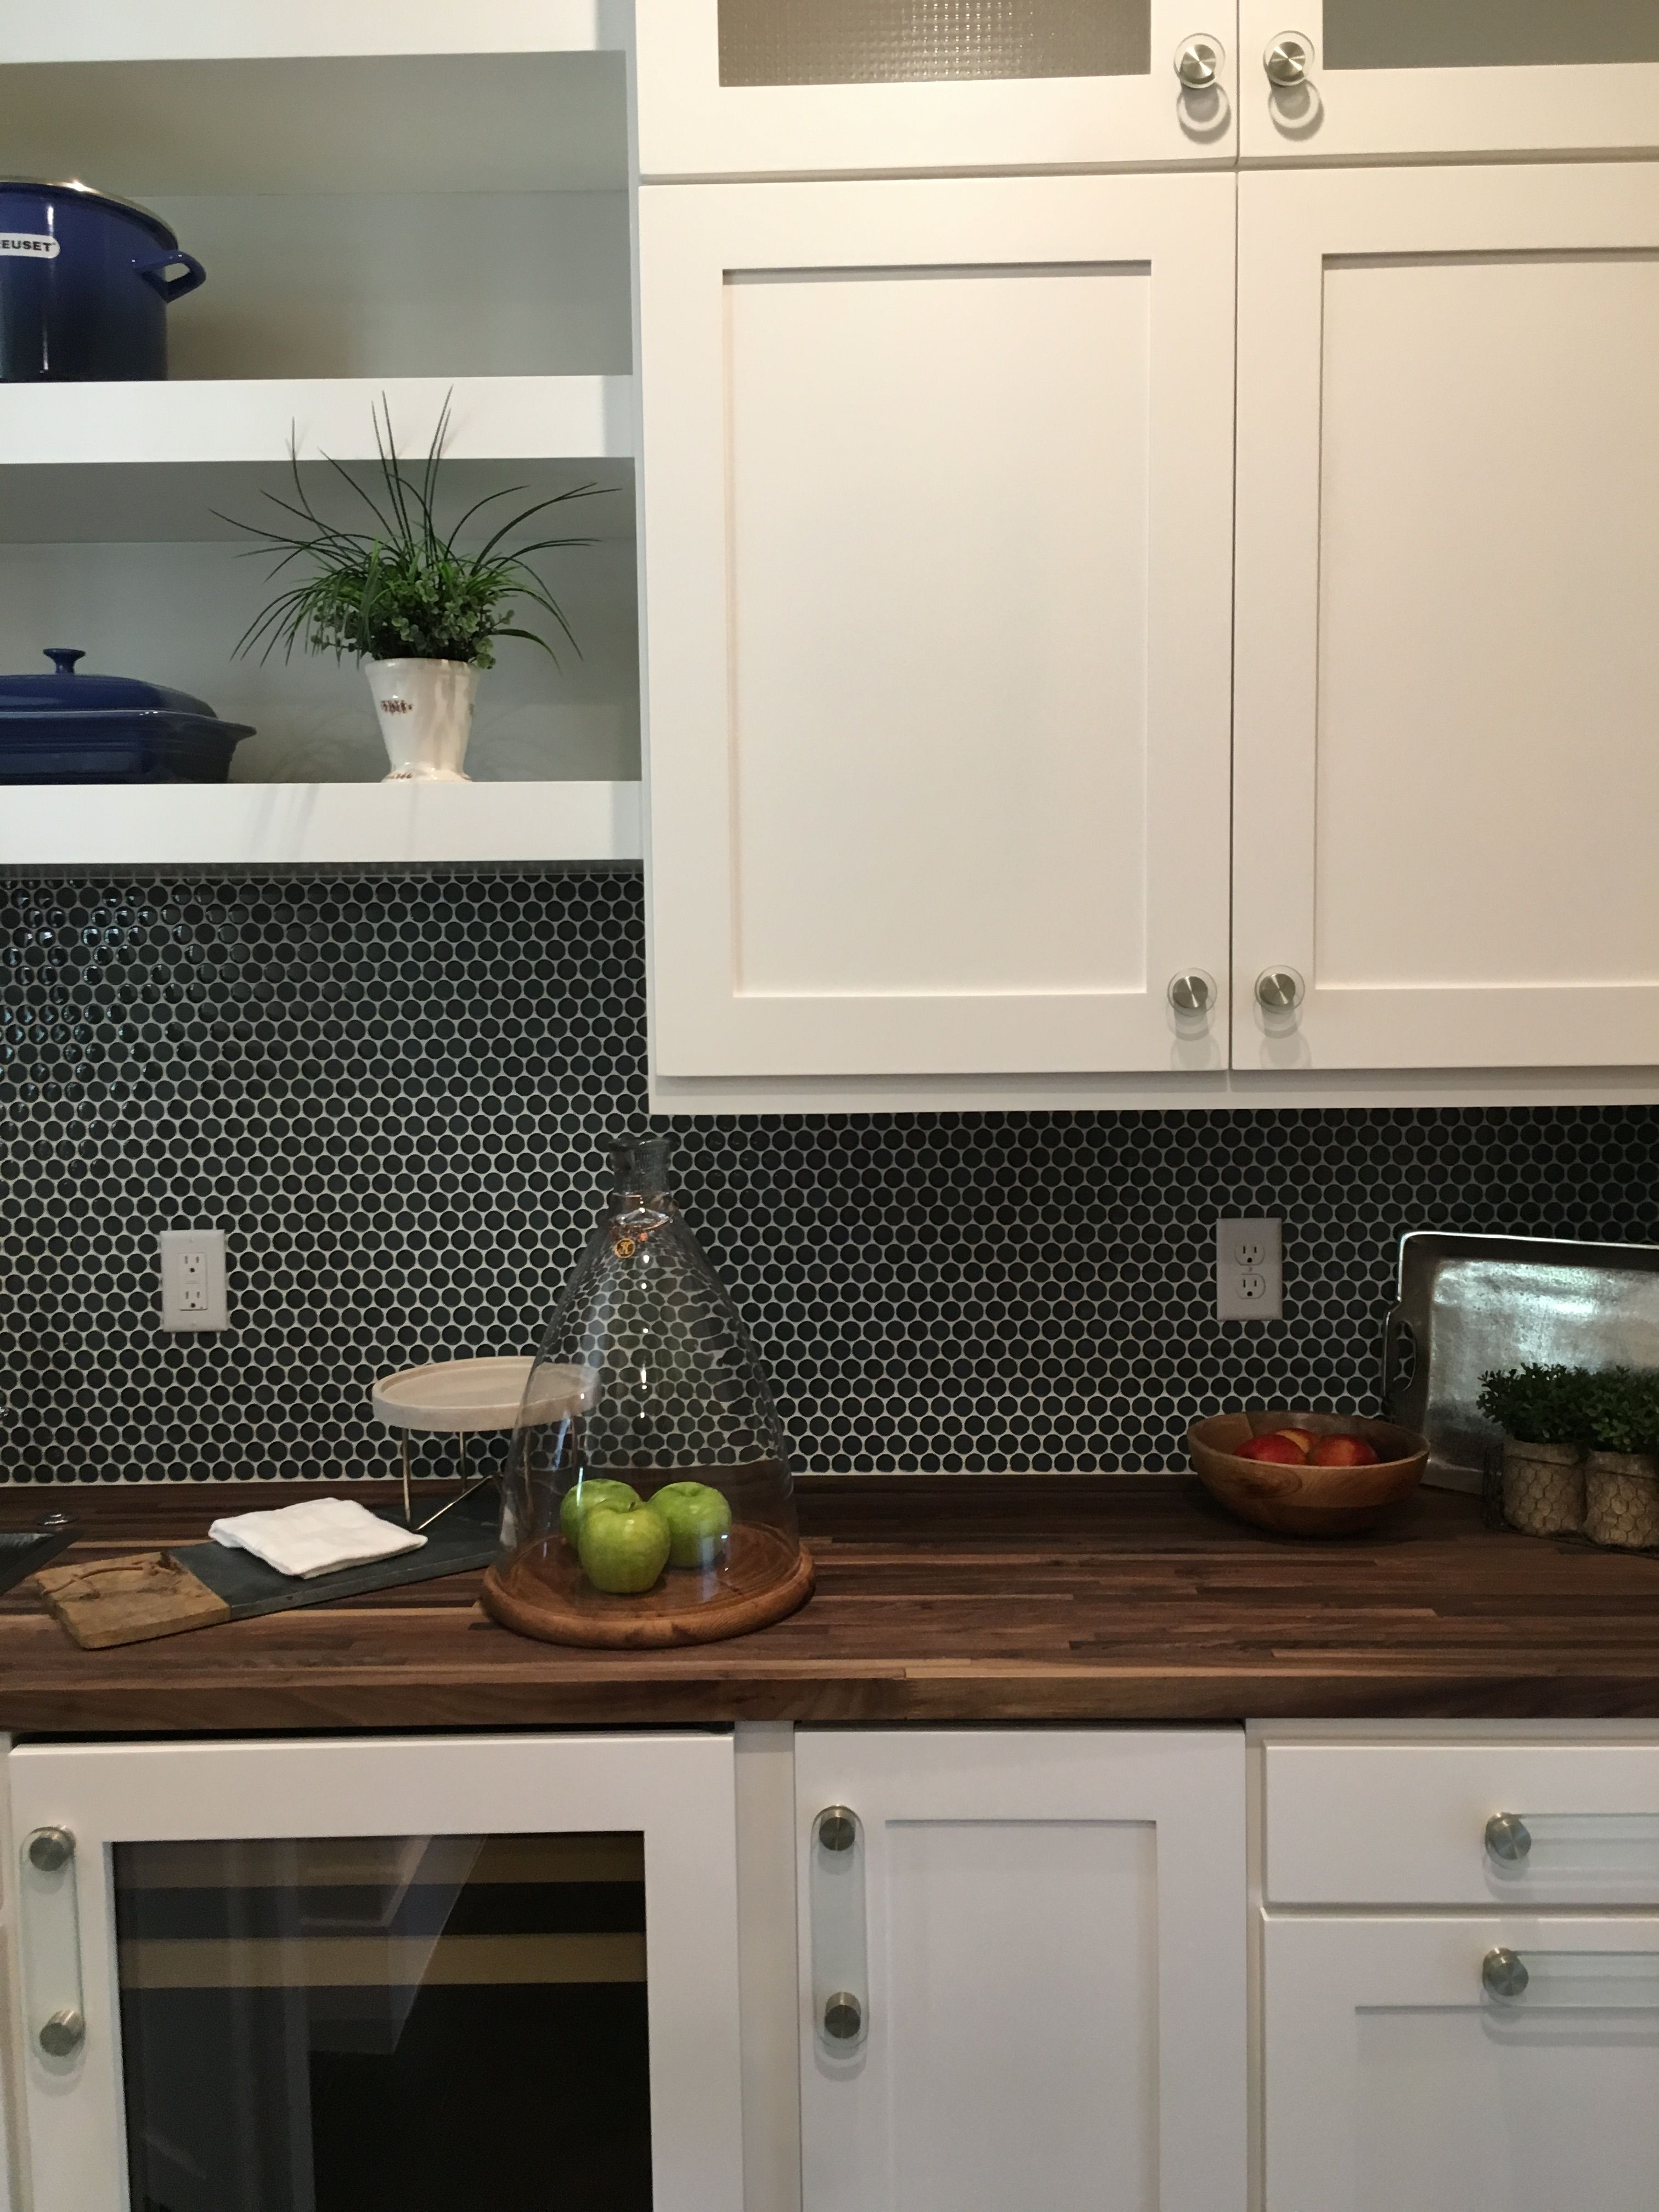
1024	1598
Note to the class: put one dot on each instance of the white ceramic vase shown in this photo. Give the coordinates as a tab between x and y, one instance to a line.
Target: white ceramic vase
425	710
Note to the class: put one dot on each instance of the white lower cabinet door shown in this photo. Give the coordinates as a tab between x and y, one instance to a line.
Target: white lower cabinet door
1500	2063
421	1973
936	497
1446	790
1022	1970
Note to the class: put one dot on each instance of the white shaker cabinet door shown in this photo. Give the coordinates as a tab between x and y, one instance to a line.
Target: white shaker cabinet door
1447	786
1021	1970
799	88
937	503
1348	80
1395	2077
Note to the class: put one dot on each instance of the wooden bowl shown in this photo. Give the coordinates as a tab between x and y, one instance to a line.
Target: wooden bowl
1306	1501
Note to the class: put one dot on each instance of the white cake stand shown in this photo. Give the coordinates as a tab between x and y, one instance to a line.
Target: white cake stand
461	1398
464	1398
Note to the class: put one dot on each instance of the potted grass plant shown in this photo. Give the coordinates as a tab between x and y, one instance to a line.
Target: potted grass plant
1542	1411
1621	1474
419	606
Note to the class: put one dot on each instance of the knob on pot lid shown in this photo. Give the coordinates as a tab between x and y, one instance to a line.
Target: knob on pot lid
66	692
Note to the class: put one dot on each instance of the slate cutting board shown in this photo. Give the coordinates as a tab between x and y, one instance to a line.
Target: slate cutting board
464	1540
23	1550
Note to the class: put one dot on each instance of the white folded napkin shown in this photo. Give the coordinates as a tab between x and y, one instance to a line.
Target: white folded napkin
315	1538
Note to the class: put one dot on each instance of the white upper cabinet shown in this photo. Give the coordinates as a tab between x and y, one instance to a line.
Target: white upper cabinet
1349	80
773	87
1447	788
936	497
1021	1970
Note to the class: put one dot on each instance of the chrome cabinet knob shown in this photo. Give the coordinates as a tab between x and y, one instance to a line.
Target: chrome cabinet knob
1279	990
838	1831
1198	63
51	1849
1192	993
62	2036
1507	1838
1287	61
1504	1974
843	2017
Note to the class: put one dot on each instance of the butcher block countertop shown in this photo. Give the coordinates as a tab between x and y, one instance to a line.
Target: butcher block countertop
939	1599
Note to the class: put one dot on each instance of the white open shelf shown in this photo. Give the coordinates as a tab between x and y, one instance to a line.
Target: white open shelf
377	123
317	824
164	30
410	200
251	419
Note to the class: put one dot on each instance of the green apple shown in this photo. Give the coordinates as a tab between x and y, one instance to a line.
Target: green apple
580	1503
624	1550
697	1518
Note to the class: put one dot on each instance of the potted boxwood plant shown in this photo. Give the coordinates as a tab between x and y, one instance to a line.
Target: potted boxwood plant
1621	1474
418	609
1543	1412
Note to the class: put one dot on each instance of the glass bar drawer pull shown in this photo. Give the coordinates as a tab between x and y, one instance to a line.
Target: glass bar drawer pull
50	1931
1606	1844
1572	1981
840	2004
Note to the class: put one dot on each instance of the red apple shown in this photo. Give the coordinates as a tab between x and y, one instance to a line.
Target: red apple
1277	1447
1303	1439
1342	1452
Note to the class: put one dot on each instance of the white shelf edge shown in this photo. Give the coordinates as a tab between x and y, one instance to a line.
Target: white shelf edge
236	30
251	419
277	825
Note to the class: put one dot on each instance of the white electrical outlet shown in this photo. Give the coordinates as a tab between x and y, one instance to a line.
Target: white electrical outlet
1249	1271
193	1291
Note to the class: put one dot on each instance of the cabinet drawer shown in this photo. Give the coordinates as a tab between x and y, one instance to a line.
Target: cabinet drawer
1460	2062
1415	1824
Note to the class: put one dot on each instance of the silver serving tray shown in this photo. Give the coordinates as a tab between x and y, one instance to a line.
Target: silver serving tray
1467	1304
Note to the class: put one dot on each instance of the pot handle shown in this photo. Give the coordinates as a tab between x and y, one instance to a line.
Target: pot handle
172	287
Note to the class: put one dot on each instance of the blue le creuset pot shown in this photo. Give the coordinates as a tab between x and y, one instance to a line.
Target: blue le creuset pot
67	728
85	284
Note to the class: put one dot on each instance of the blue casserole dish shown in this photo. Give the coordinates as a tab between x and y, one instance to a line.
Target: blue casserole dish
86	282
65	728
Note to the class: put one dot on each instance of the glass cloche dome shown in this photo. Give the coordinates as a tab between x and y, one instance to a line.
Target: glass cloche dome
647	1499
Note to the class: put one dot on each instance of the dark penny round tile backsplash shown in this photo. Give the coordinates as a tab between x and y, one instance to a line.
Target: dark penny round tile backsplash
398	1095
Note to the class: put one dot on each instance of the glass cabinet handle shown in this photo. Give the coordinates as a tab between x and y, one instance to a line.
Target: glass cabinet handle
49	1912
840	2004
1599	1846
1571	1981
1279	990
1198	63
1509	1839
1192	992
1287	61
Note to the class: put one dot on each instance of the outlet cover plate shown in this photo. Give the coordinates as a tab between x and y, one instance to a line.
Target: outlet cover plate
1249	1271
194	1295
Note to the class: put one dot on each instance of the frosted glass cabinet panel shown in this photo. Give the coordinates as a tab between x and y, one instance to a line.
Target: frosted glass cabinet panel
937	484
464	1970
1386	77
1447	656
1390	35
805	87
1499	2064
1046	2005
899	41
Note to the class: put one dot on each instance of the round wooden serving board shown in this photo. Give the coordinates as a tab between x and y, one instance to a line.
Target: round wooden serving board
544	1592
